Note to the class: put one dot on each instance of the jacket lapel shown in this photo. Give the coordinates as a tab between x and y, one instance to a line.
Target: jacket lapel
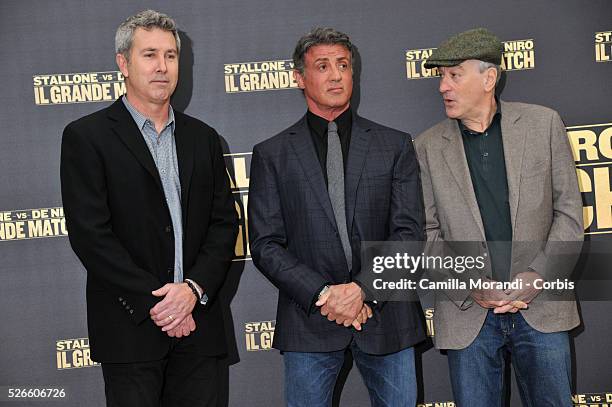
131	136
513	138
454	155
185	150
299	137
358	149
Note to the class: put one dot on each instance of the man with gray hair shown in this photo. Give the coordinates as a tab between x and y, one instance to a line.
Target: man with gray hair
151	216
501	174
317	190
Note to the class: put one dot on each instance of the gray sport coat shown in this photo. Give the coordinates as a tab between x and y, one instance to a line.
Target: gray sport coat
545	206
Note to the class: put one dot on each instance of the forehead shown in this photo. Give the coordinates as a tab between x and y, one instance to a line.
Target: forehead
154	38
328	51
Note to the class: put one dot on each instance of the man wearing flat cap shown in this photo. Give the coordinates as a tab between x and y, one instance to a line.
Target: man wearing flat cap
501	174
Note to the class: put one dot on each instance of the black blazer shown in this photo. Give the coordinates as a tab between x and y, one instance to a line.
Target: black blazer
120	228
295	242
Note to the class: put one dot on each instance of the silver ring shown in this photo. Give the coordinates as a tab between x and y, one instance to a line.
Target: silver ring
170	316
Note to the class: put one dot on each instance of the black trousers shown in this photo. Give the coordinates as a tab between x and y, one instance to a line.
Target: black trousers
182	378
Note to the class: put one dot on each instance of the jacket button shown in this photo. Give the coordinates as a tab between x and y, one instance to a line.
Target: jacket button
131	311
483	244
170	270
168	229
124	302
120	299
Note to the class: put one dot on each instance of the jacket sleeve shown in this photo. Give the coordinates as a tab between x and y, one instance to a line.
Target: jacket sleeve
406	218
268	240
562	248
435	241
217	250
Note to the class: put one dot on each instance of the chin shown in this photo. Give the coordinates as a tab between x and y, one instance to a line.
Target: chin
451	115
161	97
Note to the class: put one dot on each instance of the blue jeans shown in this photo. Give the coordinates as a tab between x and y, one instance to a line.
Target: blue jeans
542	365
310	377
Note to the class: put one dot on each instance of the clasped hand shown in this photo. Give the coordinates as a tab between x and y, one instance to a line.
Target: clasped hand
343	303
509	300
173	313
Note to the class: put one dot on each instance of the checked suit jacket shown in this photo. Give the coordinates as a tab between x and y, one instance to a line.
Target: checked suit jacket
295	242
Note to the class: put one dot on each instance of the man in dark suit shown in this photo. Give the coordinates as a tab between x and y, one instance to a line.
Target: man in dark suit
151	217
317	190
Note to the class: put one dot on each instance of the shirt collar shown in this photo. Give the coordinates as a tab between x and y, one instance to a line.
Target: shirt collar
141	119
319	124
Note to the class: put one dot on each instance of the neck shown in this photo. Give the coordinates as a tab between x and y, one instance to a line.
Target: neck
329	114
157	112
483	117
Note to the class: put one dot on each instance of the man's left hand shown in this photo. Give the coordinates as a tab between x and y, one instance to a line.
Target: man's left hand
178	302
363	316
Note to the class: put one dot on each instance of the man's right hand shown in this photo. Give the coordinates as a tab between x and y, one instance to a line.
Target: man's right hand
342	303
186	327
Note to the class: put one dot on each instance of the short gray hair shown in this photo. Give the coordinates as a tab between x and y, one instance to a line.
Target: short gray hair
320	36
147	19
486	65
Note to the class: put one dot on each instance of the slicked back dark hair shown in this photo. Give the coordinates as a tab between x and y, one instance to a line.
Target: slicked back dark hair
320	36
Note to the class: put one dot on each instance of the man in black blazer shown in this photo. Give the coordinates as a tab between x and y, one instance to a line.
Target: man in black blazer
151	216
317	190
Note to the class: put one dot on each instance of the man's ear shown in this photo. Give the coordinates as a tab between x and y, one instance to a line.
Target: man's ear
122	63
490	79
299	78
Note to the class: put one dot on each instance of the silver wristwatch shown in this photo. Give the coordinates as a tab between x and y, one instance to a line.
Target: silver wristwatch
323	291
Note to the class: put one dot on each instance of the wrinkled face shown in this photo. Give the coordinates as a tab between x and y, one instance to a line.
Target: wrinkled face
328	78
464	89
151	73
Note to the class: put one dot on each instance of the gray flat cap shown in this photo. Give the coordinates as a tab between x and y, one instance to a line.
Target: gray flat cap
478	43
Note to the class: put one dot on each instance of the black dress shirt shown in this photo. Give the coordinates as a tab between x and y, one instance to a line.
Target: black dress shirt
318	132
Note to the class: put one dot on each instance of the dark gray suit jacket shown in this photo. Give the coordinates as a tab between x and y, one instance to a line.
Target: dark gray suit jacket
295	242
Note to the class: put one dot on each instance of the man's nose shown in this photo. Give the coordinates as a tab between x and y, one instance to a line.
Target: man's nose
161	64
443	86
335	73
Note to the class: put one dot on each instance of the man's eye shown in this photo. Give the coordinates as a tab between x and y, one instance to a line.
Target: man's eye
322	67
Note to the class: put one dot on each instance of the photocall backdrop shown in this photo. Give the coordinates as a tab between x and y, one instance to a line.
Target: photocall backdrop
58	65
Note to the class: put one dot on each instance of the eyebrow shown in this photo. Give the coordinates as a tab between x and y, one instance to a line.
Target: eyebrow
327	59
157	49
451	67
